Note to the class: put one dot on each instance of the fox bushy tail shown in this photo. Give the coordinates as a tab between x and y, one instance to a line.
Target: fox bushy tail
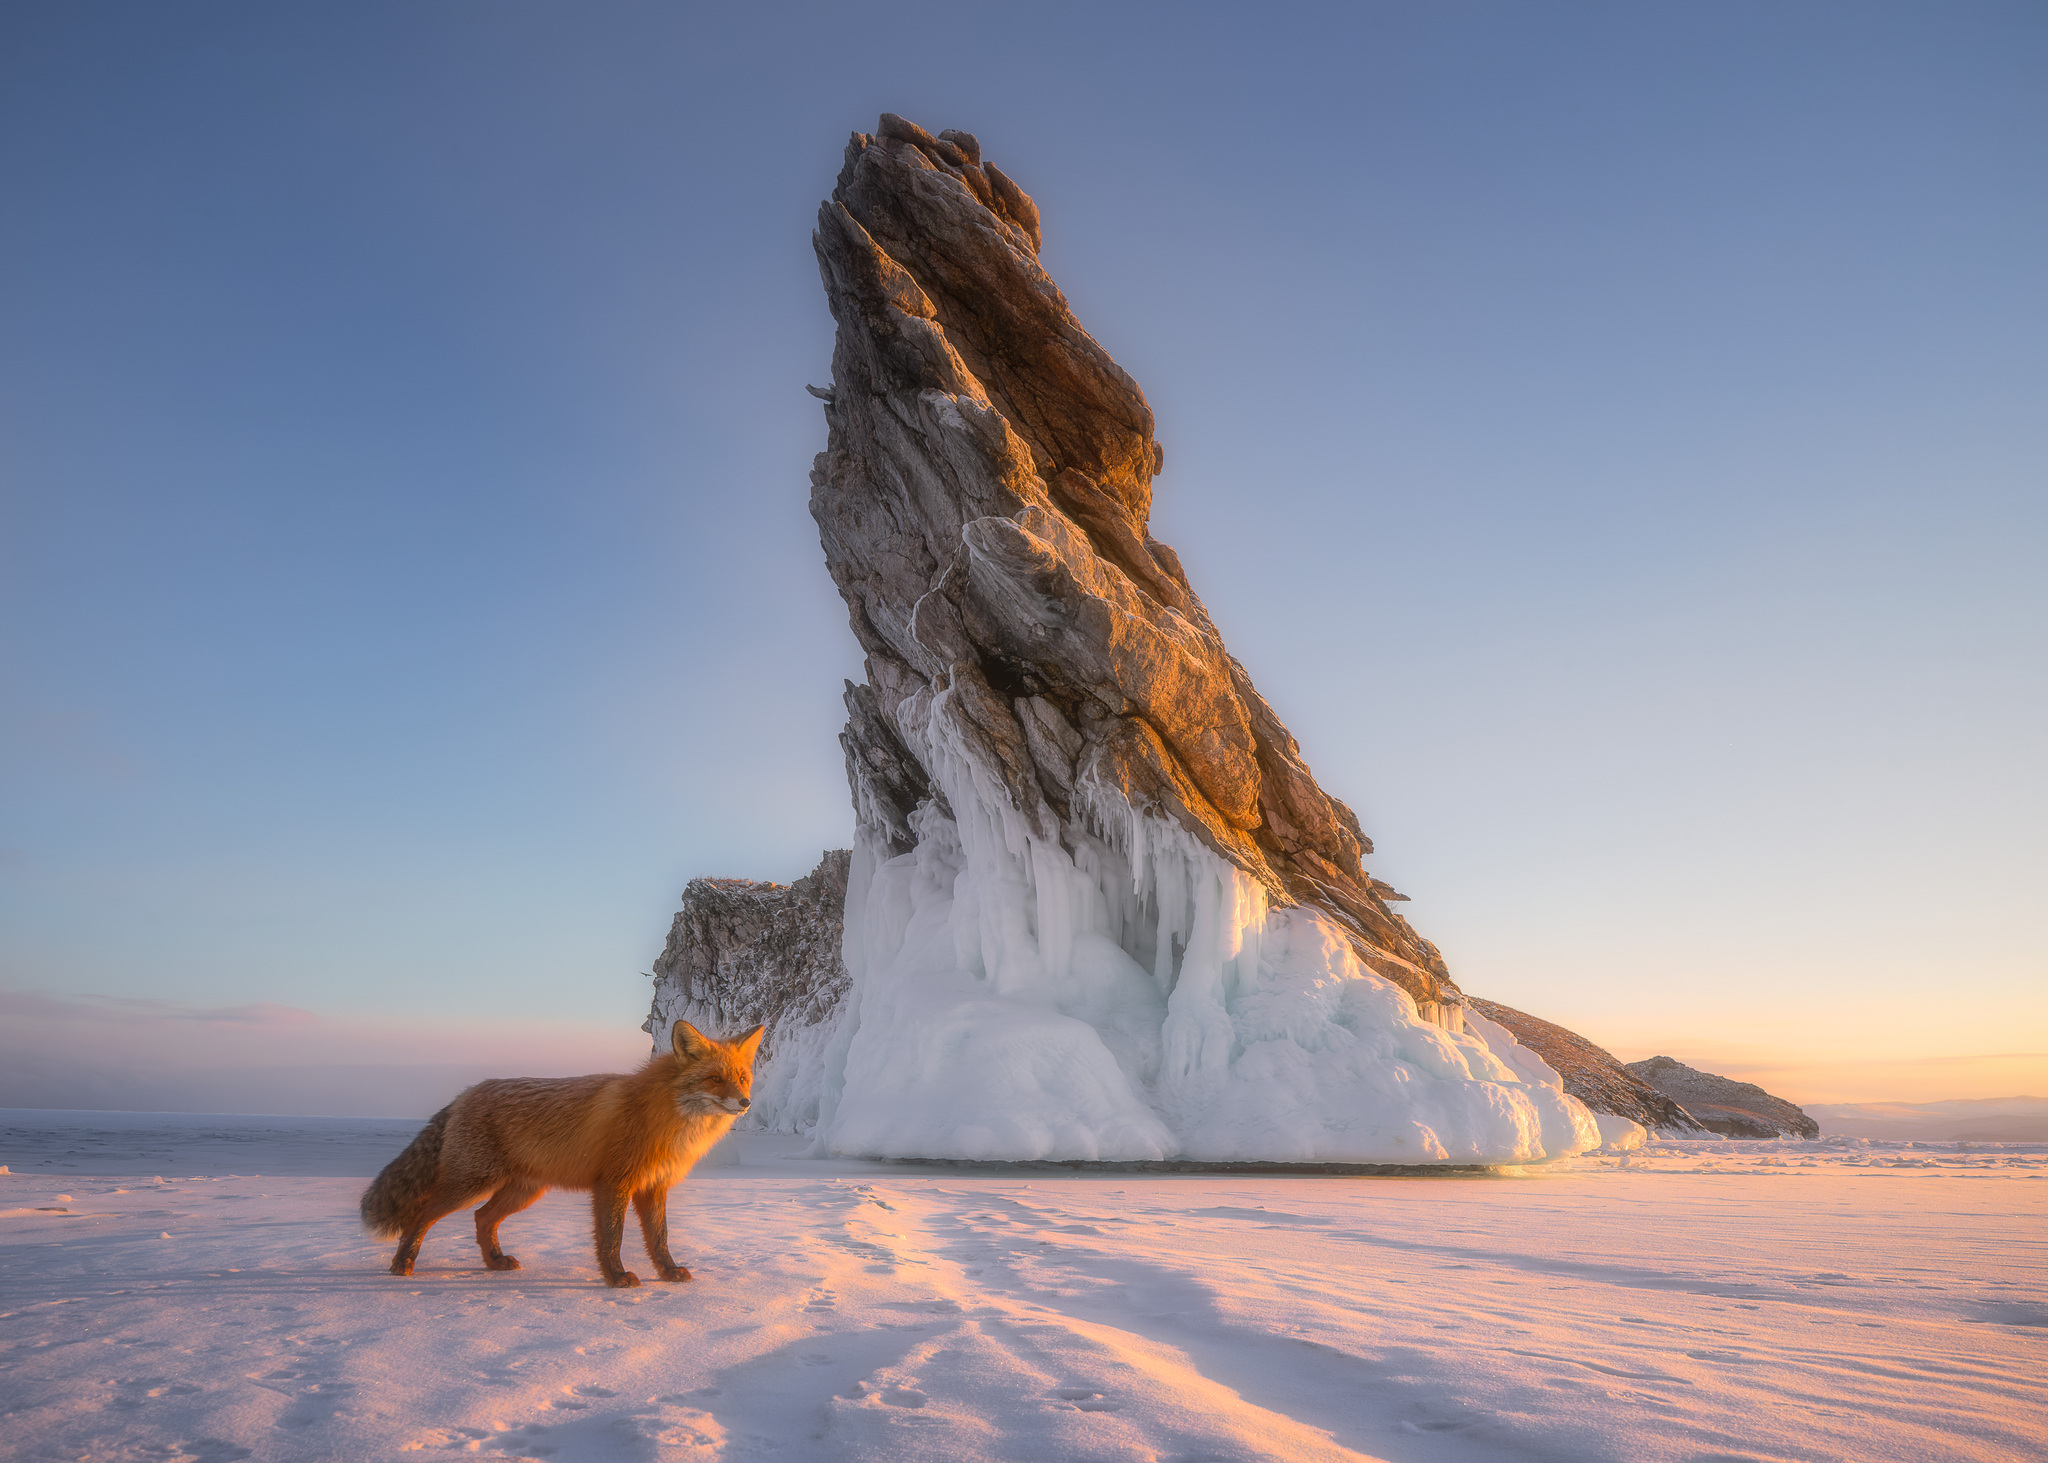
391	1198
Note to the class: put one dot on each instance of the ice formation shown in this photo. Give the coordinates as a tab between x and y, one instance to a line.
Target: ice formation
1098	908
1132	996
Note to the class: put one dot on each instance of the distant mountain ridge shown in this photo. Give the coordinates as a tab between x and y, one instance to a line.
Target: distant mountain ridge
1961	1120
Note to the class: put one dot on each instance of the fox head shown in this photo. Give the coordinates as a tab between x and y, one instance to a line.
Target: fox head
712	1076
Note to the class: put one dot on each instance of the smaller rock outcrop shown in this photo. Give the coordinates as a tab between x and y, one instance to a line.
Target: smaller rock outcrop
1723	1105
1592	1074
742	953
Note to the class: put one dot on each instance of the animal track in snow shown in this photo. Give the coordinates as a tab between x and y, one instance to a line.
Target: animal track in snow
203	1450
137	1392
515	1442
1086	1400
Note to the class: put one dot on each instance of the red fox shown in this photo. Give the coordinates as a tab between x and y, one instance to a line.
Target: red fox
622	1137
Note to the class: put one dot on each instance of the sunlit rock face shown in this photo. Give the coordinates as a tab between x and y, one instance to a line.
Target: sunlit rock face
1098	907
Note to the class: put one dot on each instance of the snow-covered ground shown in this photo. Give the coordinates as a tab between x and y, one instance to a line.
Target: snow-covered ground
198	1288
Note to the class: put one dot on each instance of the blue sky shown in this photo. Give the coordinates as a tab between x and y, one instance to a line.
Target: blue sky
1611	434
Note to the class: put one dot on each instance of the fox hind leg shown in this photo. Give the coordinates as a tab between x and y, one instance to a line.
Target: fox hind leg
440	1201
652	1207
517	1194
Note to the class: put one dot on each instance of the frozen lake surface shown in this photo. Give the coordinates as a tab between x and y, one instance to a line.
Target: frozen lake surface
42	1140
197	1287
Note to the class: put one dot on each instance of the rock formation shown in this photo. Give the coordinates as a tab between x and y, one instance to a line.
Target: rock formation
742	953
1592	1074
1723	1105
984	503
1098	907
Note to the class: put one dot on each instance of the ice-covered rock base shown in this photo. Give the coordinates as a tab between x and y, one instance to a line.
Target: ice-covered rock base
1123	994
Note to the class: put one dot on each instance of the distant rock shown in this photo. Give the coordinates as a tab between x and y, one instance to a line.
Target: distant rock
1725	1106
741	954
1592	1074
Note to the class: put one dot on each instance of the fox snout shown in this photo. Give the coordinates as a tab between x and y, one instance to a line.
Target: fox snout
715	1102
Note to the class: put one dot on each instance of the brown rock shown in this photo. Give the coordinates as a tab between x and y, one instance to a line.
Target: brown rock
983	502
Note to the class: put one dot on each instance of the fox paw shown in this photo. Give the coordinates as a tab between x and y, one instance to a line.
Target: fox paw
401	1267
624	1280
500	1262
675	1272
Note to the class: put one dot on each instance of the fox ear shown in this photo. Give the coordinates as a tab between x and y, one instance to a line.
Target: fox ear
750	1043
687	1041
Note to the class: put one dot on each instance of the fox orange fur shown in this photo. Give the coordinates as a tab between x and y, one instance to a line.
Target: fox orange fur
627	1138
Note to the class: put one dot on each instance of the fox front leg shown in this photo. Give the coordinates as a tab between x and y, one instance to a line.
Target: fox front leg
608	1209
652	1207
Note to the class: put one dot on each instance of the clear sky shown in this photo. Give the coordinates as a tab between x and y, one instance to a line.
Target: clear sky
1613	435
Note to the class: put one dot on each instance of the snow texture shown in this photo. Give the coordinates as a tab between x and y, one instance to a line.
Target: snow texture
1680	1303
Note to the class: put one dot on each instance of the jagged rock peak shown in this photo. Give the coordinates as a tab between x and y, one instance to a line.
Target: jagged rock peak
1733	1109
984	502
